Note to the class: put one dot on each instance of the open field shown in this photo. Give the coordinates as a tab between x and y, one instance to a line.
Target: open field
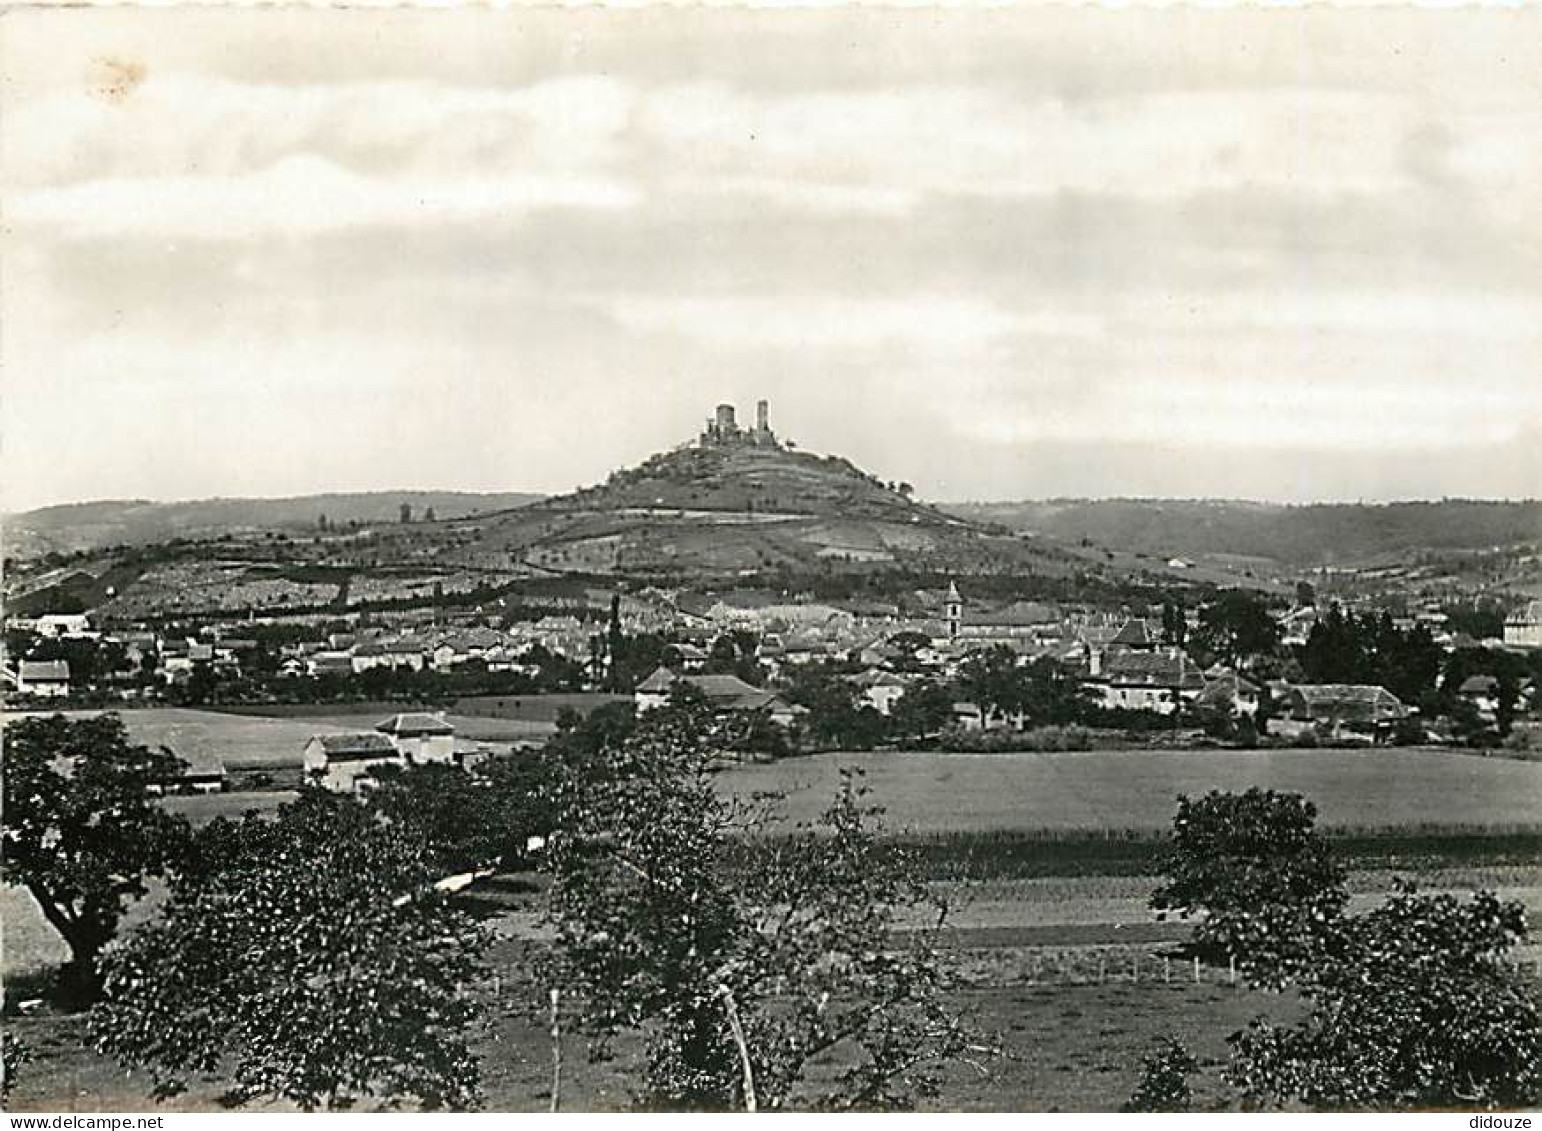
202	737
1066	1047
1135	790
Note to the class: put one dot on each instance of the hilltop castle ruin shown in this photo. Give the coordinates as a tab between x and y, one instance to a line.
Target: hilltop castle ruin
722	431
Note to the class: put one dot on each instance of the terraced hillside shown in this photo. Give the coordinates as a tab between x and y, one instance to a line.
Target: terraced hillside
723	510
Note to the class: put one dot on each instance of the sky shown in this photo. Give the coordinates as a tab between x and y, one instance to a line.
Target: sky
1279	254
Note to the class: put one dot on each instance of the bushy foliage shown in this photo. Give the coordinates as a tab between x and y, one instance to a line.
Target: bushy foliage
1164	1079
1047	739
13	1054
835	719
1235	628
675	917
1264	884
466	821
1344	648
1413	1005
309	952
82	832
925	708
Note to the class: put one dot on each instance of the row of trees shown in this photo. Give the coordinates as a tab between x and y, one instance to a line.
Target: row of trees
320	955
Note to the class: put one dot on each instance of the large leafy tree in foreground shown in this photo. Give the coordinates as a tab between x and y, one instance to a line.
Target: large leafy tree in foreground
1413	1005
740	956
310	955
82	832
1262	883
468	821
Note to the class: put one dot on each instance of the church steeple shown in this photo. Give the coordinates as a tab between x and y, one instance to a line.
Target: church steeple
954	610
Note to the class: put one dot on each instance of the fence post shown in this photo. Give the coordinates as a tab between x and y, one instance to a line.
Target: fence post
1233	969
750	1104
1167	969
1135	968
1196	969
556	1049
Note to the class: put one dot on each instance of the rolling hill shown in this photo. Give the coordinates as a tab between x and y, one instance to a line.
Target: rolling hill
1292	536
134	522
728	509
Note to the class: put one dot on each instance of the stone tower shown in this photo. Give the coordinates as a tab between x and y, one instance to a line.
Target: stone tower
954	611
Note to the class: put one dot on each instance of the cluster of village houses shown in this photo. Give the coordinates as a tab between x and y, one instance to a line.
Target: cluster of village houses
1119	658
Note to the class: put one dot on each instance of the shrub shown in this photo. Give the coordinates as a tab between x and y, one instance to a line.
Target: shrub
1047	739
1164	1079
13	1054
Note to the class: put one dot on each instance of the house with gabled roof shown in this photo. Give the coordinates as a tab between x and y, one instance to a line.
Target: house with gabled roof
347	763
1523	627
1145	681
1227	691
725	693
46	679
420	737
1362	707
1135	633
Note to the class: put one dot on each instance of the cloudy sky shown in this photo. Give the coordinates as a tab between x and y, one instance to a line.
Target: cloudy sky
1002	254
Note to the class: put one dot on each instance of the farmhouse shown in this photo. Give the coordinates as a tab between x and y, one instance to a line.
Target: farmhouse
346	763
1344	706
420	737
725	693
198	775
47	679
1228	691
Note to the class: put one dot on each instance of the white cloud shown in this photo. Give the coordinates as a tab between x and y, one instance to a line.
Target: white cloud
940	321
1353	414
992	141
299	196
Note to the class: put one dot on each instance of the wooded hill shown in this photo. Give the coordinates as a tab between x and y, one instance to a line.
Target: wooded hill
1307	535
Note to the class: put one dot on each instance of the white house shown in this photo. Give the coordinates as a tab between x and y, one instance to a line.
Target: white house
345	763
1523	628
348	763
420	737
1145	681
63	624
879	689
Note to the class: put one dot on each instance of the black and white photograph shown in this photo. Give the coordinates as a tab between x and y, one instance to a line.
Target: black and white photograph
819	558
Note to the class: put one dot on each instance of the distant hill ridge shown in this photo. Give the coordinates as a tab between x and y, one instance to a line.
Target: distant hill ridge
1293	534
108	522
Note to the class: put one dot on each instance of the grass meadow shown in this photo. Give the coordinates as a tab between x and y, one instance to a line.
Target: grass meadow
1132	793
